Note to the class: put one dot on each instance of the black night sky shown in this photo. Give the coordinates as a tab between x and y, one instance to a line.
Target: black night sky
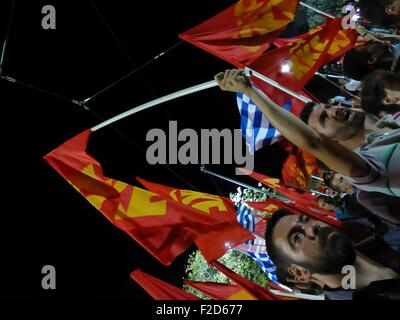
44	220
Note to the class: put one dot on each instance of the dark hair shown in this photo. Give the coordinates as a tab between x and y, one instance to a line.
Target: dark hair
327	176
373	92
374	11
355	64
306	112
334	201
280	260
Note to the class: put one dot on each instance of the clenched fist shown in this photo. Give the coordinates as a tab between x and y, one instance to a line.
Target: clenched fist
233	80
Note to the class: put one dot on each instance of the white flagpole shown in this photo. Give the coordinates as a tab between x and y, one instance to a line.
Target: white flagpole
316	10
147	105
249	72
196	88
298	295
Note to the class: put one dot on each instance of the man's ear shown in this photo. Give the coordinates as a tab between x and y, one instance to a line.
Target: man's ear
299	275
372	60
392	9
387	101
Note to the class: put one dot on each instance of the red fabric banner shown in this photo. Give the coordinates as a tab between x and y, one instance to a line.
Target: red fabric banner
164	227
160	290
294	64
255	290
221	291
243	31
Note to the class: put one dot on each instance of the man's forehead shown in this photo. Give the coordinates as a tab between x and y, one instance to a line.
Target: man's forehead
282	228
315	114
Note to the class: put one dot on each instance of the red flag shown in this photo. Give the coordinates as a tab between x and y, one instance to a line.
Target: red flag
298	167
295	64
221	291
160	290
163	227
343	41
255	290
243	31
216	206
296	209
269	206
215	243
302	200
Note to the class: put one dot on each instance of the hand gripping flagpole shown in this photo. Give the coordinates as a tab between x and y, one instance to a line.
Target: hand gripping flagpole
203	86
147	105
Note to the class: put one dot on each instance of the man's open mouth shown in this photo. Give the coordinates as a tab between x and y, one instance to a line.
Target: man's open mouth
343	114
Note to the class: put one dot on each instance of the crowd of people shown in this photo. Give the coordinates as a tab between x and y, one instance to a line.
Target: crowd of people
361	149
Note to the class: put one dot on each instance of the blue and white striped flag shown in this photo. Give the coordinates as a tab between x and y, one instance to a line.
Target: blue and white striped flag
245	217
256	129
263	260
266	264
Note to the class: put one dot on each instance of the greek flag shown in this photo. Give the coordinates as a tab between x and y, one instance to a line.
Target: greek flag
268	267
265	263
245	217
256	129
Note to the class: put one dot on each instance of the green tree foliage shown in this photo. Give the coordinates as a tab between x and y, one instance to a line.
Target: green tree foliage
197	268
333	7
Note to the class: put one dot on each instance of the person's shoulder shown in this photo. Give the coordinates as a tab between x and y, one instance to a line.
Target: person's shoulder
379	290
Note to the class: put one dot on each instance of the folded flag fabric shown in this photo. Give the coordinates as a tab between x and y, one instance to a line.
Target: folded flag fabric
343	41
258	292
243	31
302	200
160	290
164	227
227	232
295	64
220	291
298	168
257	131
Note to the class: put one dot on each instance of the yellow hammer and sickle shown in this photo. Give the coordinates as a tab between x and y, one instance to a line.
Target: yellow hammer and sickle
208	201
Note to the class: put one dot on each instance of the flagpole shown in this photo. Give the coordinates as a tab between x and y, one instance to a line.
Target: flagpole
249	72
336	85
298	295
5	42
316	10
317	178
244	185
137	69
147	105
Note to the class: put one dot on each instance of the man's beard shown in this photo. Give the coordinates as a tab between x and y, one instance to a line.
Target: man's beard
336	252
359	120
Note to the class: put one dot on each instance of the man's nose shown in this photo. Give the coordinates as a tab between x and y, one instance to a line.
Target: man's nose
332	111
311	229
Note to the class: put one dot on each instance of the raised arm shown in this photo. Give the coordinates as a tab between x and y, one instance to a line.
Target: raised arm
333	154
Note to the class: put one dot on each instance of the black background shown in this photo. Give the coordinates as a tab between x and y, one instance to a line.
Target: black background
44	220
